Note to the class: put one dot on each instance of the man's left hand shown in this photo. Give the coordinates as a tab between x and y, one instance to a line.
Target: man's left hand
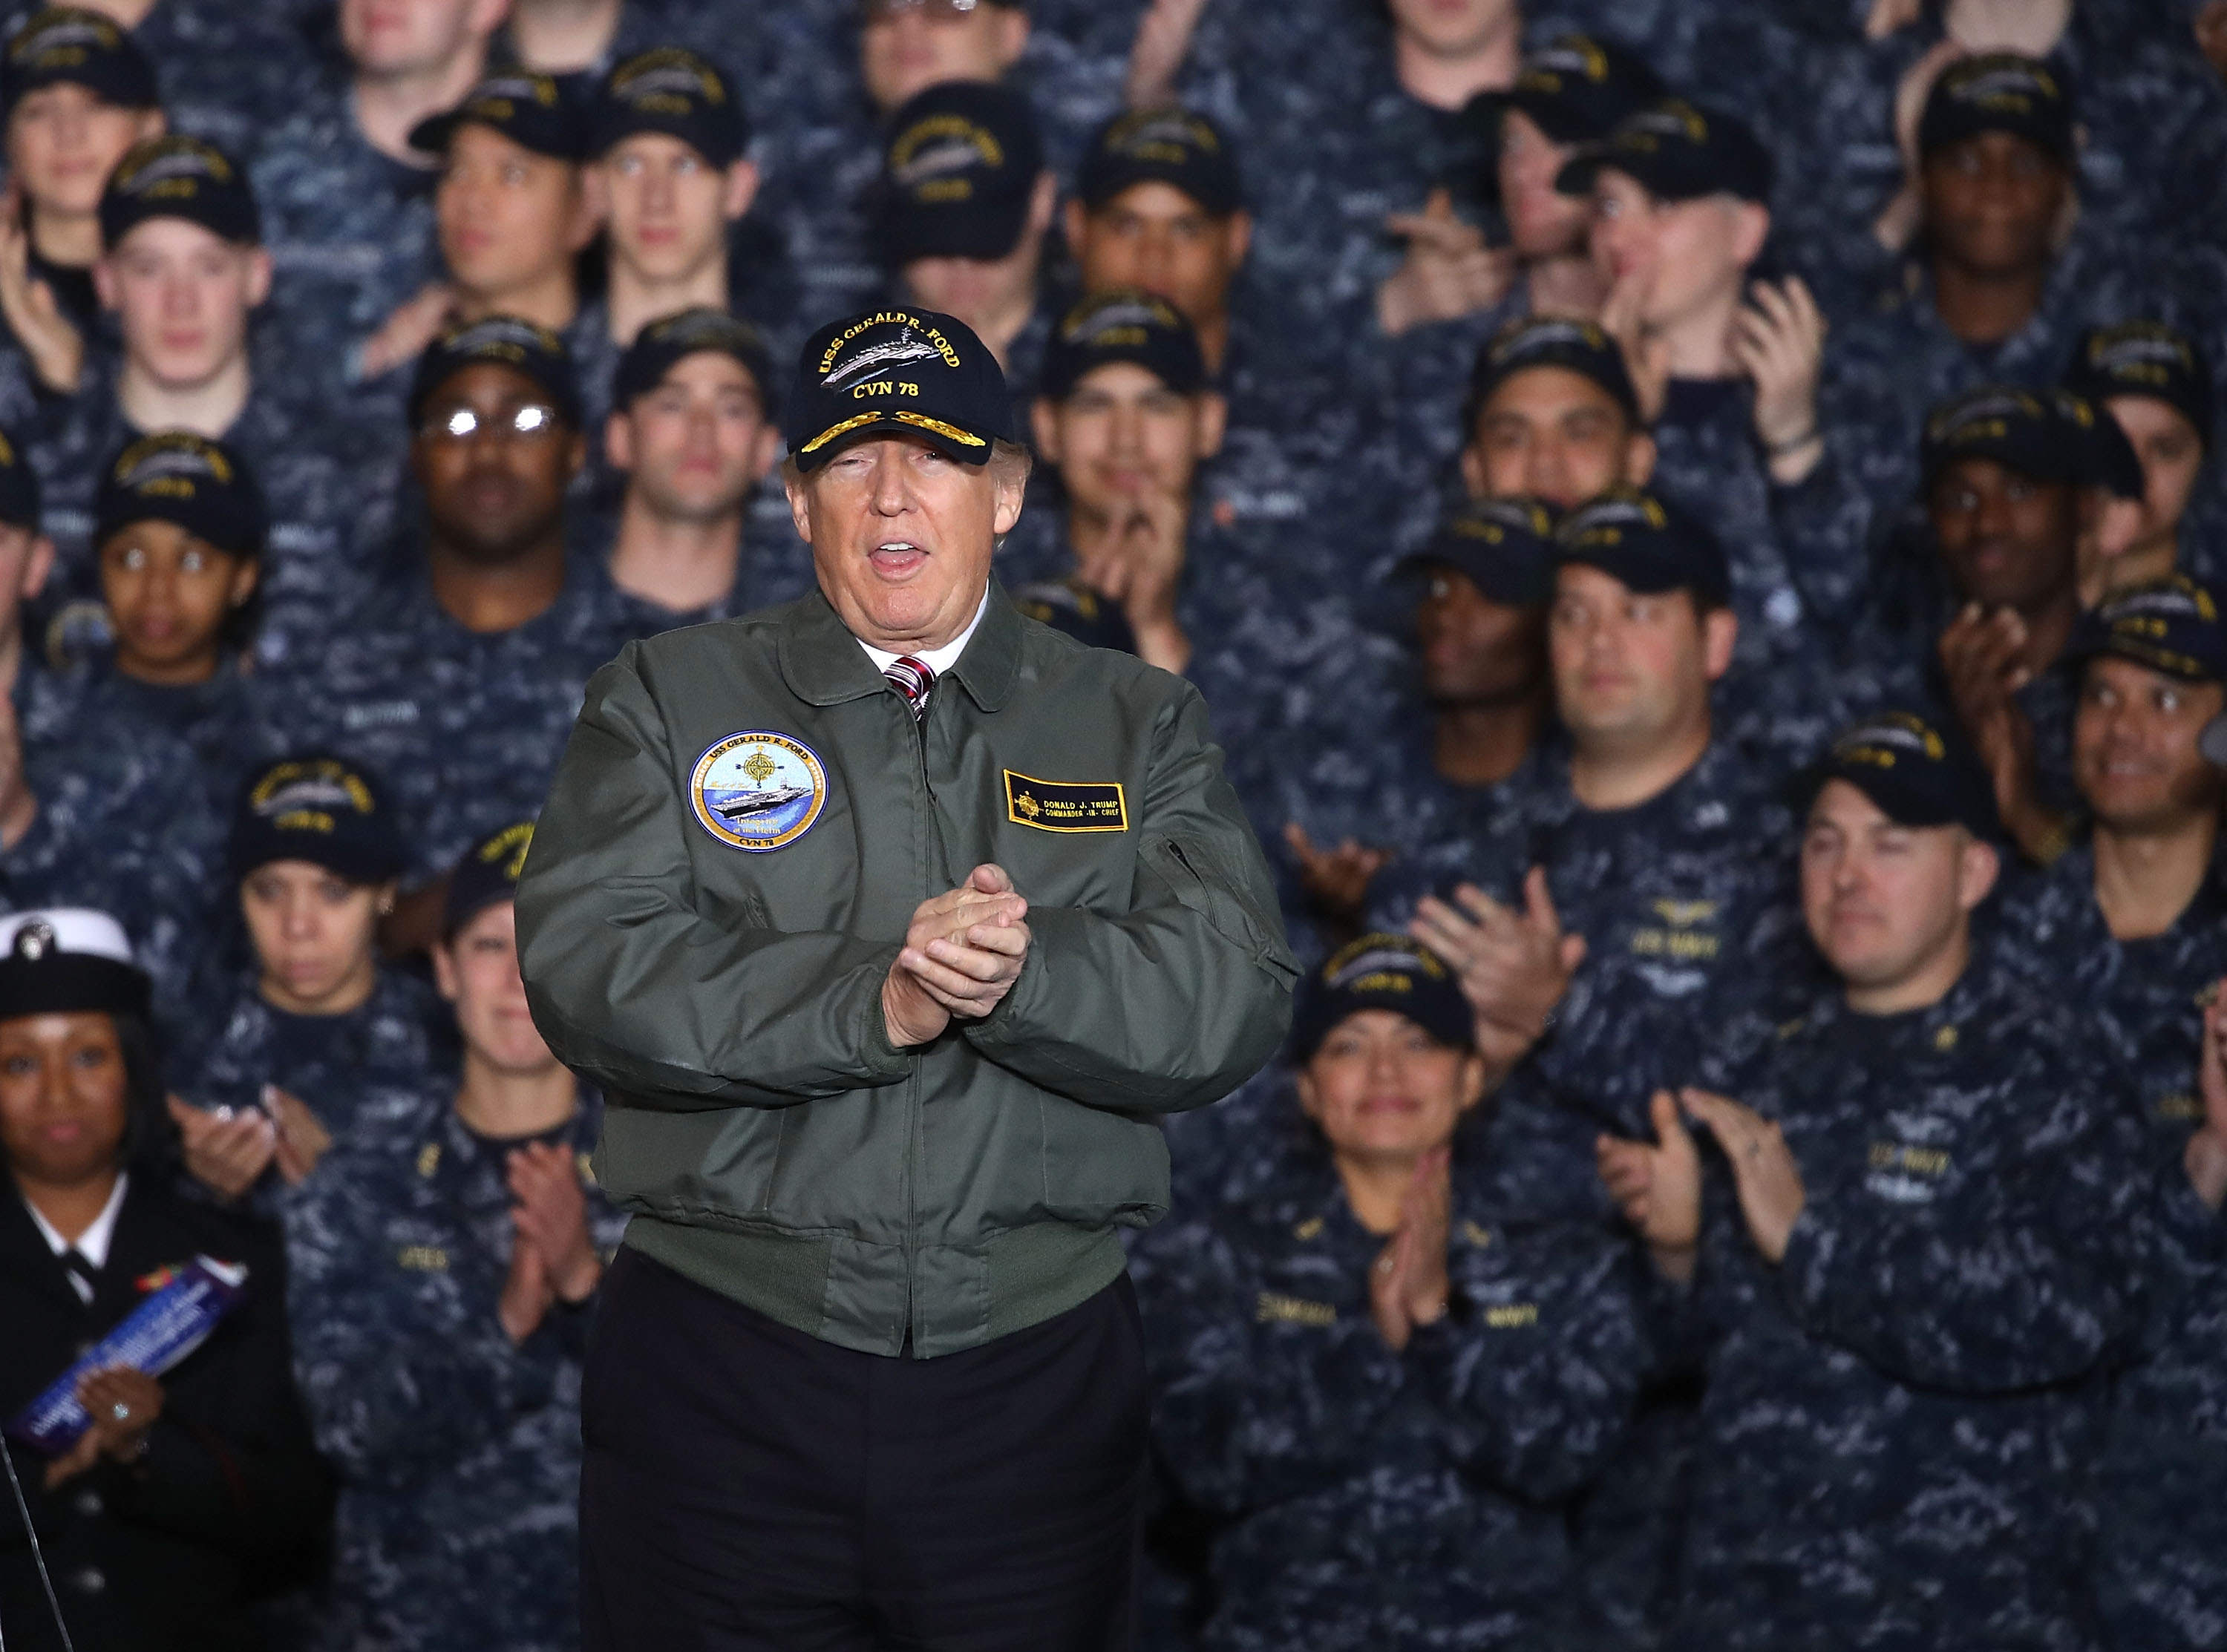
1770	1182
970	973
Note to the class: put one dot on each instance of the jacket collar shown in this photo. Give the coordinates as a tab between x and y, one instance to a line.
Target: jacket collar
824	665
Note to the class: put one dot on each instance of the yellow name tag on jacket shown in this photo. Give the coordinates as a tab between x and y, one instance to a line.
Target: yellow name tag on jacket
1059	806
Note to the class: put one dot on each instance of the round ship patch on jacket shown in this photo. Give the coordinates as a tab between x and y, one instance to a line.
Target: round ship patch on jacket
757	790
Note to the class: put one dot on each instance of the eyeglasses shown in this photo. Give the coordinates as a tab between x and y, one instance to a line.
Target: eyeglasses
532	423
936	11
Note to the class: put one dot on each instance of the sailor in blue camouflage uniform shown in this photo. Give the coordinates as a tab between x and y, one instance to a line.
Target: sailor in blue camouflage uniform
1628	894
1383	1388
963	210
1628	901
844	69
180	529
226	70
347	205
481	1242
2153	133
2155	381
460	684
2134	919
98	806
1681	199
1160	203
1989	297
1422	757
1920	1246
309	1042
1129	423
178	205
77	79
1574	91
1970	604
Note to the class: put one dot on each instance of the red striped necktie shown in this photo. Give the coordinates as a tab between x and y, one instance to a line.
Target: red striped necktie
914	679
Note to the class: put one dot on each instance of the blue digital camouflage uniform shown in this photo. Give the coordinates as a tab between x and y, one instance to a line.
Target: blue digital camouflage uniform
123	826
1890	366
466	727
2162	1580
1900	1417
458	1451
2153	127
1685	902
221	721
1779	703
350	232
362	1073
1367	1498
822	150
331	492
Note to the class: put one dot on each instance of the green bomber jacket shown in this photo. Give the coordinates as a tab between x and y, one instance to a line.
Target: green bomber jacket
744	821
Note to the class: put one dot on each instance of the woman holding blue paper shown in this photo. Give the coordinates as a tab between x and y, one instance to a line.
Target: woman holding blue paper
190	1491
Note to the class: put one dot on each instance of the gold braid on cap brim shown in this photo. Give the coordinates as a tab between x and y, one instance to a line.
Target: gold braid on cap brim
899	415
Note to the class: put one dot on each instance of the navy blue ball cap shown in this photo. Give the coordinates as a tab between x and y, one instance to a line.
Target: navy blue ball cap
1565	342
1677	150
487	876
671	90
1180	147
2144	358
1069	606
1919	774
512	341
1504	547
2000	92
2044	437
1381	972
664	344
2170	625
2103	455
178	177
1647	546
19	485
527	108
177	476
74	46
959	172
1124	324
1576	89
321	808
913	373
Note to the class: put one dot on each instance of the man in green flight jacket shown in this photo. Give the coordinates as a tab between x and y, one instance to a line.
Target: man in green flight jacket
887	921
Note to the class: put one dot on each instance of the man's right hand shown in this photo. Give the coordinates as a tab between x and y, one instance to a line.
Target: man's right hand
52	342
961	955
1514	966
225	1152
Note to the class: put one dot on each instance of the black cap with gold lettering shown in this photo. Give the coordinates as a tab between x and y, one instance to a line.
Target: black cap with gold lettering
525	108
178	177
2143	358
1918	773
71	45
672	91
897	372
180	477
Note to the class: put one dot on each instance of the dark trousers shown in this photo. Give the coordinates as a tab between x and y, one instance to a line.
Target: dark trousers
747	1486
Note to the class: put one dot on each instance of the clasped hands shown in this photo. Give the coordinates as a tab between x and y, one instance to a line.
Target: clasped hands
961	955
